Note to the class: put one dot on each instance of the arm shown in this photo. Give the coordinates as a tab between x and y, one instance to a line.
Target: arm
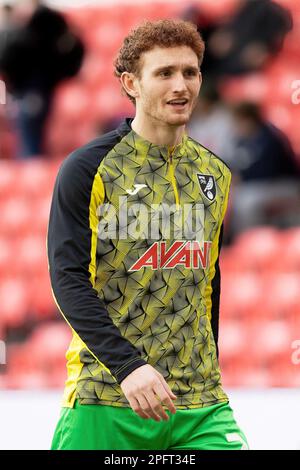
216	290
216	281
71	240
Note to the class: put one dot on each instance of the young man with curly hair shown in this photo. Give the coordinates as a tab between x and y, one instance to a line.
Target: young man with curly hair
133	246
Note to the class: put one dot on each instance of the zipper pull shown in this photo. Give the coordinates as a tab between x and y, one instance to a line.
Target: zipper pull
170	151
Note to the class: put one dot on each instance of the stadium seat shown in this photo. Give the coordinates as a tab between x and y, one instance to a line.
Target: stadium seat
283	302
7	253
108	102
41	302
228	262
8	171
254	377
41	209
34	380
64	136
33	178
257	248
270	340
14	302
31	255
232	339
240	294
72	101
251	87
8	144
94	73
107	36
49	343
290	240
16	216
22	372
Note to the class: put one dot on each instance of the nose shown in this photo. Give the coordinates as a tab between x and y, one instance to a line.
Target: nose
179	83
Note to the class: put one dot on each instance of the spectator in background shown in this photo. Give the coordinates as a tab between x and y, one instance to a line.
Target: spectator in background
7	24
261	151
267	184
212	123
245	42
41	53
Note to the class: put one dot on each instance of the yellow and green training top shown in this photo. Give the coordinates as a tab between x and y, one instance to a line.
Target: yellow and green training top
133	243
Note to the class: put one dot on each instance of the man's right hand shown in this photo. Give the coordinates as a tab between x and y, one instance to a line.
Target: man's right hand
146	390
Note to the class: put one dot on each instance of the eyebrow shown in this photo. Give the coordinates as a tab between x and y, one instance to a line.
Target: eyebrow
172	67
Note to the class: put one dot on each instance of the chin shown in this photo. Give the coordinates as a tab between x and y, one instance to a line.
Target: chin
179	120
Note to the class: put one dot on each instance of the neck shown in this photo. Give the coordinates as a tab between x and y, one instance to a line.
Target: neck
158	133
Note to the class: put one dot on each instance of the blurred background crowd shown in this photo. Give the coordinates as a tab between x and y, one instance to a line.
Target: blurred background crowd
57	68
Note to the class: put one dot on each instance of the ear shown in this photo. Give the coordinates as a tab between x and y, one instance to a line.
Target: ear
129	82
200	81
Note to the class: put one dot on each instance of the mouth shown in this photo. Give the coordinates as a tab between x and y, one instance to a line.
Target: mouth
178	103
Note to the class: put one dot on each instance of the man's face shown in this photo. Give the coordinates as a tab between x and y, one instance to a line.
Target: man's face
169	84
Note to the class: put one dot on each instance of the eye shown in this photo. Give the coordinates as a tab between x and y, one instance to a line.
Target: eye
165	73
191	73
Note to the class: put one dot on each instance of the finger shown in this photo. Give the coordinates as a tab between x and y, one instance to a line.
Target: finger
155	405
167	388
146	407
135	405
162	393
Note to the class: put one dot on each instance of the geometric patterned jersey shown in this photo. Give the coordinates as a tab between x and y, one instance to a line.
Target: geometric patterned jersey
155	276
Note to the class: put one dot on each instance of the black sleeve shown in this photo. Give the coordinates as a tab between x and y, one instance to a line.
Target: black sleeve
69	242
216	290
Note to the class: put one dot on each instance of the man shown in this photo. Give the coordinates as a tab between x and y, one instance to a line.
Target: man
141	296
35	59
267	186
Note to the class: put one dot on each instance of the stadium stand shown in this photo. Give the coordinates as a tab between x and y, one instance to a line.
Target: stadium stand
260	299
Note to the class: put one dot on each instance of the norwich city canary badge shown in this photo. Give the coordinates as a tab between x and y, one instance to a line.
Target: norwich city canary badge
208	186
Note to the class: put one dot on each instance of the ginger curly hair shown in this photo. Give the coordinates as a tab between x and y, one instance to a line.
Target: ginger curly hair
162	33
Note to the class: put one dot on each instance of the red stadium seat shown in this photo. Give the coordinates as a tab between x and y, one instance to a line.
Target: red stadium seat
253	377
82	18
42	304
22	372
251	87
283	302
109	103
64	136
232	339
31	255
33	178
41	211
257	248
8	172
7	253
240	294
94	72
107	36
228	262
72	104
49	344
270	340
14	302
290	240
240	371
20	380
16	216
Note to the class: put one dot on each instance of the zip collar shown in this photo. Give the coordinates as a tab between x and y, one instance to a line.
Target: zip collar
165	151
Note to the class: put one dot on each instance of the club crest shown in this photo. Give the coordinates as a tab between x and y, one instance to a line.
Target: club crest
208	186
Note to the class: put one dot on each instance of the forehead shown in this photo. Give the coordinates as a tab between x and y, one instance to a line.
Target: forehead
179	56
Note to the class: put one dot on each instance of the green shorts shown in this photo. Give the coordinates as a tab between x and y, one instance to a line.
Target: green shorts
99	427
